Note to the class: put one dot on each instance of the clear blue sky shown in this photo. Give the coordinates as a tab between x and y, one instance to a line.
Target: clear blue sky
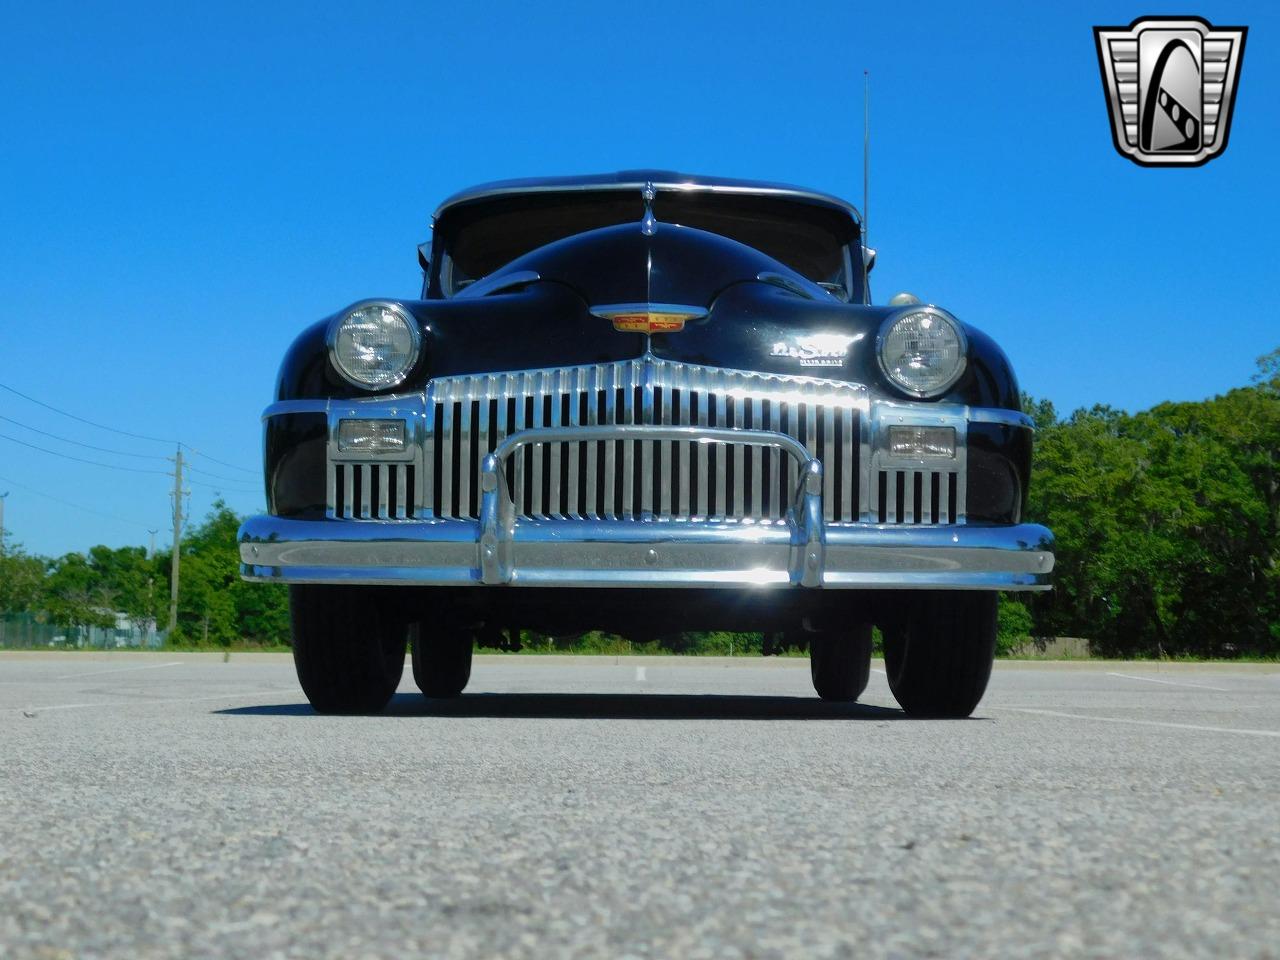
183	187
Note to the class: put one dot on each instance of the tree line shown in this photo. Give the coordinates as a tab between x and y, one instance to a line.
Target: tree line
1167	525
215	607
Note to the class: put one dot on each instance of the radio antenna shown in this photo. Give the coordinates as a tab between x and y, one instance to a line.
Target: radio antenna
866	176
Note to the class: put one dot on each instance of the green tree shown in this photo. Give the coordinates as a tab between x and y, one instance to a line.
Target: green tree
214	605
1167	523
21	581
74	595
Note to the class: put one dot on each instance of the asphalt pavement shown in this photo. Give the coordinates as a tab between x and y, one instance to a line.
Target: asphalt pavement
176	805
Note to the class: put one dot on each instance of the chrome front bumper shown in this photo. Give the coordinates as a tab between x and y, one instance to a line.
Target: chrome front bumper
501	548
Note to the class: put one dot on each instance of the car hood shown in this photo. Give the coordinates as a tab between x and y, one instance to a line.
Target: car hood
550	308
647	262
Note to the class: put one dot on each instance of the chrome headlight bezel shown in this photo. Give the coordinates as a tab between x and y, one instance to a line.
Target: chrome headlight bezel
410	324
937	313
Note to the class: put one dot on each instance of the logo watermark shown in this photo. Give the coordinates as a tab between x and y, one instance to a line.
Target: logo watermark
1171	87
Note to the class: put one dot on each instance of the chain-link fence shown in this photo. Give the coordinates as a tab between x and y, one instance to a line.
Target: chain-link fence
25	631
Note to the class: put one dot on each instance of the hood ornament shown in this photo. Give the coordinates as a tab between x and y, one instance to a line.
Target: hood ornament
649	225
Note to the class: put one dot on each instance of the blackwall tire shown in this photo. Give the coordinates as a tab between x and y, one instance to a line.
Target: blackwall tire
348	655
938	658
840	662
441	661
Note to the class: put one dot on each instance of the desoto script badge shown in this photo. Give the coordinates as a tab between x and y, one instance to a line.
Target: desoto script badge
1171	85
816	350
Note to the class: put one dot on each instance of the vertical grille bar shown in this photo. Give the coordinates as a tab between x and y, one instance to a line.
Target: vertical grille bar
847	477
756	506
504	391
722	459
364	489
704	478
331	491
667	456
483	447
944	498
829	415
739	507
909	496
446	453
558	387
684	453
384	491
577	386
539	391
610	447
628	448
772	502
593	417
402	492
646	450
427	475
521	388
464	455
791	471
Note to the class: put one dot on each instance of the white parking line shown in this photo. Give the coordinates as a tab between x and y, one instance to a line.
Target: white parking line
1172	683
98	673
639	674
1145	723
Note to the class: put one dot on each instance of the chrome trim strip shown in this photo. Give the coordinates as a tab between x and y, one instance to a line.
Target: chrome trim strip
497	283
283	407
1009	418
647	554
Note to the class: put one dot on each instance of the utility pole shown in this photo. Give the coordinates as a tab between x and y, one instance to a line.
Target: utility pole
152	552
177	540
3	496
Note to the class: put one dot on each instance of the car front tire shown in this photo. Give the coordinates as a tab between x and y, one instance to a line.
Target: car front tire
840	662
938	658
349	655
441	661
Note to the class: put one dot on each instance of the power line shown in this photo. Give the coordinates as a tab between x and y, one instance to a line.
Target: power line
100	426
221	487
72	504
221	463
67	456
90	446
218	476
123	433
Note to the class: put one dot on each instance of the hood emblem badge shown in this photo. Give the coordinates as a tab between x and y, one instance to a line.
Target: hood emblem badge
648	318
816	350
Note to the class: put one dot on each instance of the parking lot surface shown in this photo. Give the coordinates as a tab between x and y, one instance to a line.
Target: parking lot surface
167	805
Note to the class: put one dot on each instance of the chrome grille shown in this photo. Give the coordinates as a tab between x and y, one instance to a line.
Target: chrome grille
372	491
916	496
468	416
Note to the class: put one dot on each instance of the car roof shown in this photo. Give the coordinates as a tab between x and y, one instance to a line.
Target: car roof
636	180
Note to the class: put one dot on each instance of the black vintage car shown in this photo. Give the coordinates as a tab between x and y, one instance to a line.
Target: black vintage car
645	403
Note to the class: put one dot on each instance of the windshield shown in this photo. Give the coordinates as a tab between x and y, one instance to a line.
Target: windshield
476	239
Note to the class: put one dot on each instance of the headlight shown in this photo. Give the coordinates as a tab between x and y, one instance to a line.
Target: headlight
922	350
374	345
